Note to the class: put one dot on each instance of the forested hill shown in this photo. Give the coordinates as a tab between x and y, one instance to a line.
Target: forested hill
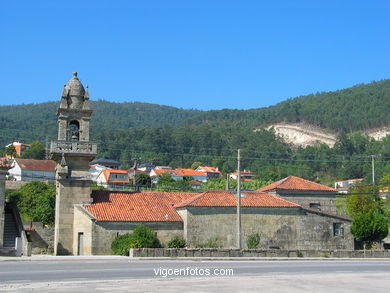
360	107
39	121
357	108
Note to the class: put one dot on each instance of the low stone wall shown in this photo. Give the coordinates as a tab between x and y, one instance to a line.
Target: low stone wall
42	237
214	252
14	185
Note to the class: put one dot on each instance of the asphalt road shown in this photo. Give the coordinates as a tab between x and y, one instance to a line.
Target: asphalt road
125	275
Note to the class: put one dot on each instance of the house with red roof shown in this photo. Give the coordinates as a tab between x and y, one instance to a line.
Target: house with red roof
113	179
199	217
178	174
32	170
211	172
304	192
245	176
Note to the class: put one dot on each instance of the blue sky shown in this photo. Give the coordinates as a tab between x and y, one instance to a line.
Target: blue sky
193	53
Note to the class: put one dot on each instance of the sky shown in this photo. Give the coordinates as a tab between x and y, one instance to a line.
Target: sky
191	54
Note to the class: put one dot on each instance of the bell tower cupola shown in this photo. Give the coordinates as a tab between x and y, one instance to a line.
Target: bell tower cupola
74	116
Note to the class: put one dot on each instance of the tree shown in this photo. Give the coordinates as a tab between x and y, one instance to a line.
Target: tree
195	165
35	151
142	179
10	151
363	199
36	201
369	227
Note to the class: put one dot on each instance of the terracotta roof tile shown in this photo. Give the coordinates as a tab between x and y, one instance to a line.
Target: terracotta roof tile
209	169
108	172
228	199
136	207
36	165
296	183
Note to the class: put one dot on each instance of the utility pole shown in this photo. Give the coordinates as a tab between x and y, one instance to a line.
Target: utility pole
238	199
373	168
227	182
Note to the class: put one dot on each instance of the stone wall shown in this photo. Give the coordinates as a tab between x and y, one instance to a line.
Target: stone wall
15	185
326	200
41	237
98	236
105	232
83	223
249	253
282	228
68	193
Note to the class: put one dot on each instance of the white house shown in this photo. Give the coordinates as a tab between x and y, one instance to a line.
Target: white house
32	170
113	179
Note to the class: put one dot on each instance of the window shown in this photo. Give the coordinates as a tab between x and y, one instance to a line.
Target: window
338	229
316	206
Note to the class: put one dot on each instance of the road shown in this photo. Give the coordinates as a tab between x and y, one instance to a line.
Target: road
126	275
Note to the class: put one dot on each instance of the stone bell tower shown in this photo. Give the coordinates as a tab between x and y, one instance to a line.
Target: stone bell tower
72	151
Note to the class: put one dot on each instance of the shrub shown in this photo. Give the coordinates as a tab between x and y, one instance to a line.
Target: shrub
142	237
121	244
177	242
147	237
369	227
253	241
299	253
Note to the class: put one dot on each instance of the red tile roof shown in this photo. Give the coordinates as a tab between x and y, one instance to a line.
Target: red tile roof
5	164
160	172
37	165
209	169
296	183
136	207
179	172
108	172
160	206
189	172
228	199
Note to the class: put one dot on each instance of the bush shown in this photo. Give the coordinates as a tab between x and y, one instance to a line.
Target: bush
147	237
369	227
177	242
142	237
253	241
121	244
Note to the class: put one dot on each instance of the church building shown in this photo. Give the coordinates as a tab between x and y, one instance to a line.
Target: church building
293	213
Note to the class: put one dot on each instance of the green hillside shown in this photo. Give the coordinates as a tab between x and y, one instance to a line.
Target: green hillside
39	121
357	108
178	137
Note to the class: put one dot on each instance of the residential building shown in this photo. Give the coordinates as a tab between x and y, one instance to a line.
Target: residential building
32	170
19	148
343	186
113	179
246	176
95	170
146	167
211	172
109	163
178	174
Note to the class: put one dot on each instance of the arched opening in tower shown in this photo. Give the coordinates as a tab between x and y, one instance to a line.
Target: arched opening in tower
74	130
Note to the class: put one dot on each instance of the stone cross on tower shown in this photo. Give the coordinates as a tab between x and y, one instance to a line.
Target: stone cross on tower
72	151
